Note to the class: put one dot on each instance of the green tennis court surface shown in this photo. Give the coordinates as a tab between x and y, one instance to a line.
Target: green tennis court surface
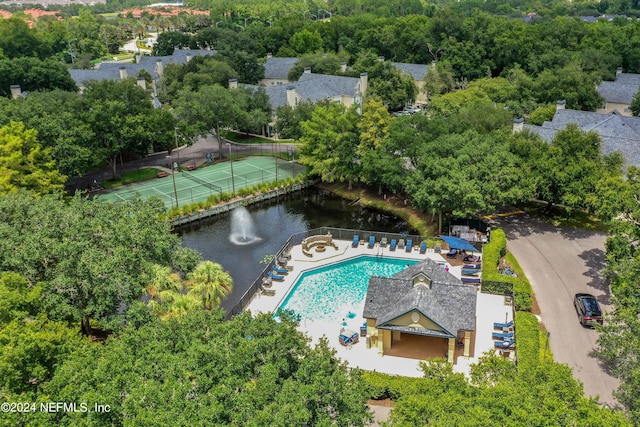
197	185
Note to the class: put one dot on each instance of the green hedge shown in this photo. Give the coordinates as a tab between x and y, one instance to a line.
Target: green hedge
494	282
527	340
214	199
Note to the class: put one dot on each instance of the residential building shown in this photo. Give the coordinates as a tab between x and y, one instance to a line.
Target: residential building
276	70
417	72
618	132
154	65
618	94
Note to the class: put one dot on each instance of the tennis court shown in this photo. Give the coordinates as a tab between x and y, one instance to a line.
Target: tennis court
197	185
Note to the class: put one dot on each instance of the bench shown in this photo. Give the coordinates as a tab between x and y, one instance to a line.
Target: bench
320	242
162	174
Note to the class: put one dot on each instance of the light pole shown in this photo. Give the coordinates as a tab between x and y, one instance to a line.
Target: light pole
173	176
175	136
233	183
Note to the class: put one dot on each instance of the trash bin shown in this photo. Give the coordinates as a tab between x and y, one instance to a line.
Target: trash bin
363	331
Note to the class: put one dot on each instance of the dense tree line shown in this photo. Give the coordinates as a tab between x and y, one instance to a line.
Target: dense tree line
70	265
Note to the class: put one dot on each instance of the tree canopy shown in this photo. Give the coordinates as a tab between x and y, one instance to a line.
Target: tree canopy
24	164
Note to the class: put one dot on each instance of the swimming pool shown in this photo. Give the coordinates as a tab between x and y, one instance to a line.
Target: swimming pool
331	292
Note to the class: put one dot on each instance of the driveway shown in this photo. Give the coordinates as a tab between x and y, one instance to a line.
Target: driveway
559	263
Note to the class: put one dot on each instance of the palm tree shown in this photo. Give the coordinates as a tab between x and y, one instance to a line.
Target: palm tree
180	305
210	283
163	285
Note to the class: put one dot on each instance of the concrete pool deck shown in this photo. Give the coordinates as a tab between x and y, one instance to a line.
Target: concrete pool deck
489	309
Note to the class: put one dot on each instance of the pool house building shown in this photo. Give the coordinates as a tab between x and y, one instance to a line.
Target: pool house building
421	307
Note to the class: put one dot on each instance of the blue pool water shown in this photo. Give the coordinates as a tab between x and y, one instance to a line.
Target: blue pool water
337	291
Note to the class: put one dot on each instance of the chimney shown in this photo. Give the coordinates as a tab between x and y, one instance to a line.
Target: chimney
518	125
618	72
343	67
142	82
16	91
560	104
188	57
291	96
233	83
123	73
381	58
269	55
364	81
307	70
138	57
159	68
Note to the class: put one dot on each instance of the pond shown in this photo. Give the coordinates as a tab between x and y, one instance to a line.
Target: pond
267	226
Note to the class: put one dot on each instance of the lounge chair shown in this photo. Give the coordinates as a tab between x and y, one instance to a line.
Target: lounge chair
392	246
471	280
472	258
423	247
409	245
503	326
356	241
502	336
437	249
470	272
279	270
504	344
372	242
383	242
275	276
266	282
472	266
401	244
452	253
267	292
348	337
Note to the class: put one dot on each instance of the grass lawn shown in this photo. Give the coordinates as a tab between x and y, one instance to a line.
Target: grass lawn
564	217
133	176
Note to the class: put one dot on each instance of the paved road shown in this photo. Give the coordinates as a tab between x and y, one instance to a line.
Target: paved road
560	262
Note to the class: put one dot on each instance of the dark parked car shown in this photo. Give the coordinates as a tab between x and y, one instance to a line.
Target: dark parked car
588	309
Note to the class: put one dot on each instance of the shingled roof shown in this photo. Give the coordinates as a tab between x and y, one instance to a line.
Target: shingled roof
111	70
278	68
447	302
313	87
618	133
415	71
622	90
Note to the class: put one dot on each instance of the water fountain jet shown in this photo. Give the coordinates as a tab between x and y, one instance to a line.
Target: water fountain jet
242	228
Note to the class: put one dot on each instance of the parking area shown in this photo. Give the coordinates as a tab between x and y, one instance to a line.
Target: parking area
561	262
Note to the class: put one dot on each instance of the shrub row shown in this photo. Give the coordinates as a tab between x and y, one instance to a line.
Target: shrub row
494	282
215	199
527	340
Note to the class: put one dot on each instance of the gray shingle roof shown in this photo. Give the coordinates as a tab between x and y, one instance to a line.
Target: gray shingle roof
618	133
111	70
416	71
622	90
278	68
313	87
448	302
